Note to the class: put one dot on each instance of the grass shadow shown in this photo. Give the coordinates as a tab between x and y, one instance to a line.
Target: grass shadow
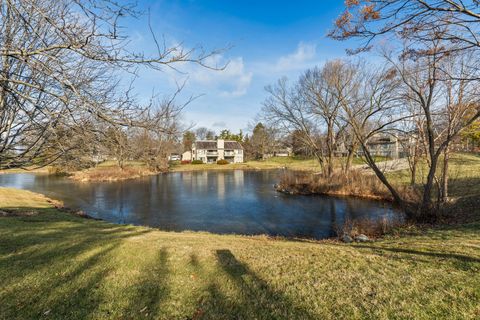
55	264
150	289
257	300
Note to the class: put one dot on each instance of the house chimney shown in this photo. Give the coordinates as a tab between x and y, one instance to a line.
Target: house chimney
220	143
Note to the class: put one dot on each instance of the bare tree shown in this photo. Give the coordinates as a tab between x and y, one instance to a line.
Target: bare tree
440	85
203	133
153	142
61	62
372	108
323	90
287	110
461	98
415	20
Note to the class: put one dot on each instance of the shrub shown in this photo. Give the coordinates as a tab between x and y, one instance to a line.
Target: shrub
186	162
197	162
222	162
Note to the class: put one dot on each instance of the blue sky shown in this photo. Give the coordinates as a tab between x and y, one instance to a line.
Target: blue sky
269	39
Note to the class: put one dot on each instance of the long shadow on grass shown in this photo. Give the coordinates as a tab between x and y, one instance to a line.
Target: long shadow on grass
450	256
150	289
256	299
55	266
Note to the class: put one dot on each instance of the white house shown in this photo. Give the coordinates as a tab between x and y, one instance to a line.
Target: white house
391	146
187	156
174	157
210	151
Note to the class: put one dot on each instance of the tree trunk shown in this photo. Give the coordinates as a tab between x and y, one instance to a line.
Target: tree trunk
414	164
351	153
426	206
330	149
320	161
5	124
413	179
444	187
396	196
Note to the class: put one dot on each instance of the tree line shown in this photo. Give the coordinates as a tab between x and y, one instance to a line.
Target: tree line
424	85
67	73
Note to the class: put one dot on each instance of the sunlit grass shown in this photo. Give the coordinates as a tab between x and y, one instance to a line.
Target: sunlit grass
464	175
57	266
14	198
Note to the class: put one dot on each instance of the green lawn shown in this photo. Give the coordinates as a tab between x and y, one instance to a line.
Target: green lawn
464	175
272	163
291	163
54	265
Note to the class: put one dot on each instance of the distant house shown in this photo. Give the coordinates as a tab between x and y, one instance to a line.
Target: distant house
278	152
174	157
390	146
283	152
210	151
187	156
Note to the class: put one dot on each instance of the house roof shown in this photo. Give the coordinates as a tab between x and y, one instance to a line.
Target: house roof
212	145
206	144
232	145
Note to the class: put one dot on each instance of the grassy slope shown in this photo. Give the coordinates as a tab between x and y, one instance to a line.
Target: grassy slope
26	170
57	266
464	175
110	167
272	163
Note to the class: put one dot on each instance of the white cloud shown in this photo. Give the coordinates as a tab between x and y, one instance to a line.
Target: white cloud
304	56
305	53
219	124
234	80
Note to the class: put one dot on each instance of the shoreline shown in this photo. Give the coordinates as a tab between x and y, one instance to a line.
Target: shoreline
340	194
61	208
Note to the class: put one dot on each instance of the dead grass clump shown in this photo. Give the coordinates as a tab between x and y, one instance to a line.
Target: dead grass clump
373	228
111	173
353	184
18	213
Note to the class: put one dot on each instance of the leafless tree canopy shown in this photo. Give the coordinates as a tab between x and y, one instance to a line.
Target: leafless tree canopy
61	66
455	22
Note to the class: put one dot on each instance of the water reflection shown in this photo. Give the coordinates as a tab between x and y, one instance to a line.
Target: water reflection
242	202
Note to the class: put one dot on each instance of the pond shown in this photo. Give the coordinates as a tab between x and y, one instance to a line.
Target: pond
240	202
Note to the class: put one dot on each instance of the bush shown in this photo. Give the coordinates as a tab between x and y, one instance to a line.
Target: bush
186	162
222	162
197	162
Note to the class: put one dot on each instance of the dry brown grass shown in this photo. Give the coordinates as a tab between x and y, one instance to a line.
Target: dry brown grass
373	228
356	184
112	173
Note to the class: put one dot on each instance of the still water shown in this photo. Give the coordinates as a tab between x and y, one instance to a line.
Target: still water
241	202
